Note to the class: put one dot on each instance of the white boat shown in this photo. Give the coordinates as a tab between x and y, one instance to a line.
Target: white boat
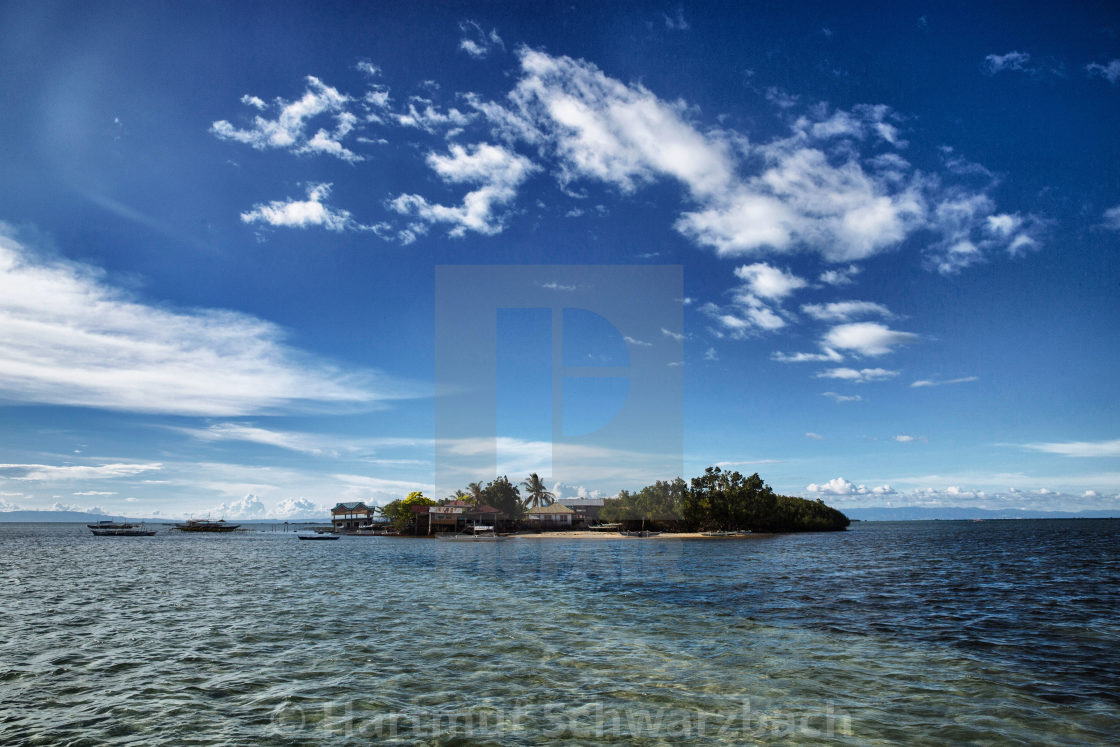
473	534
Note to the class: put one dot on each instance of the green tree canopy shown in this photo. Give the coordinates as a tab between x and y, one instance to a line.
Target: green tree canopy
502	495
399	512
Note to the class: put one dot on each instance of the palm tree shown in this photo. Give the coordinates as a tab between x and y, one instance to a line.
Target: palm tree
536	494
475	491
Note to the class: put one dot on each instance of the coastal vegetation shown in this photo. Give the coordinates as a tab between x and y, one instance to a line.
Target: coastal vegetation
721	501
718	500
399	512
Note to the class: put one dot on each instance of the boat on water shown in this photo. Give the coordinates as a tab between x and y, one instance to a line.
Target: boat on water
205	525
111	525
473	534
609	527
639	533
318	536
727	533
127	530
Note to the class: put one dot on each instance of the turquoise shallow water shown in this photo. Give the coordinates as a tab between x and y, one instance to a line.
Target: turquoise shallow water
921	632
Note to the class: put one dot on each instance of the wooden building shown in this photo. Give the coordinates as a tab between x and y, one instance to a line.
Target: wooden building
351	516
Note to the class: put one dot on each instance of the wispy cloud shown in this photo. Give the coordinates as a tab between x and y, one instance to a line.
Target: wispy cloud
1079	448
477	42
69	338
1112	218
289	131
47	472
840	398
842	311
1012	61
1110	71
943	382
496	170
860	376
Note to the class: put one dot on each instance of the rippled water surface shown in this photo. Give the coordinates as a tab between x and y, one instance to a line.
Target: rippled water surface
995	632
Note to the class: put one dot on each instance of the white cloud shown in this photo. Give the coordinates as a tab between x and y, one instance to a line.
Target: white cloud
1015	61
674	335
841	276
765	281
840	486
639	343
289	130
303	213
300	508
301	442
75	507
945	382
842	397
477	42
423	115
562	490
711	355
48	472
676	22
866	338
827	355
861	376
248	507
95	492
970	230
1112	218
497	170
834	184
814	436
1110	72
553	285
902	438
842	311
69	338
1079	448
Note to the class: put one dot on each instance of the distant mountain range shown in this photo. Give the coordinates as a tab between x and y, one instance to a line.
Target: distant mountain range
80	516
949	513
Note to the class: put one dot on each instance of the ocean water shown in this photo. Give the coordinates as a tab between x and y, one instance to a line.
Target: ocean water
1000	632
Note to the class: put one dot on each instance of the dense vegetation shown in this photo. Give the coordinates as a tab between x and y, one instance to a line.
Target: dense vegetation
719	500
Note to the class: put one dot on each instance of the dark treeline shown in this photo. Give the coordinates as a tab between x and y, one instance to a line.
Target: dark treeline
719	500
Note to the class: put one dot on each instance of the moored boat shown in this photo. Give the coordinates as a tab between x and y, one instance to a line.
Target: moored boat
111	525
318	536
639	533
205	525
128	530
473	534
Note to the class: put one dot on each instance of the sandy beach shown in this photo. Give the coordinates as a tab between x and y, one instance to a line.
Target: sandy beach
584	534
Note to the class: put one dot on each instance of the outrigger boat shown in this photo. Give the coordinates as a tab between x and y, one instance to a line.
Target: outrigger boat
318	536
205	525
639	533
473	534
126	530
111	525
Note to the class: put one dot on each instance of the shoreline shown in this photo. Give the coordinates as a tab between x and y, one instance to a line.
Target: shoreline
584	534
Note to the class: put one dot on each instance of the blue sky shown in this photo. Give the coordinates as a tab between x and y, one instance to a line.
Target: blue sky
220	226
